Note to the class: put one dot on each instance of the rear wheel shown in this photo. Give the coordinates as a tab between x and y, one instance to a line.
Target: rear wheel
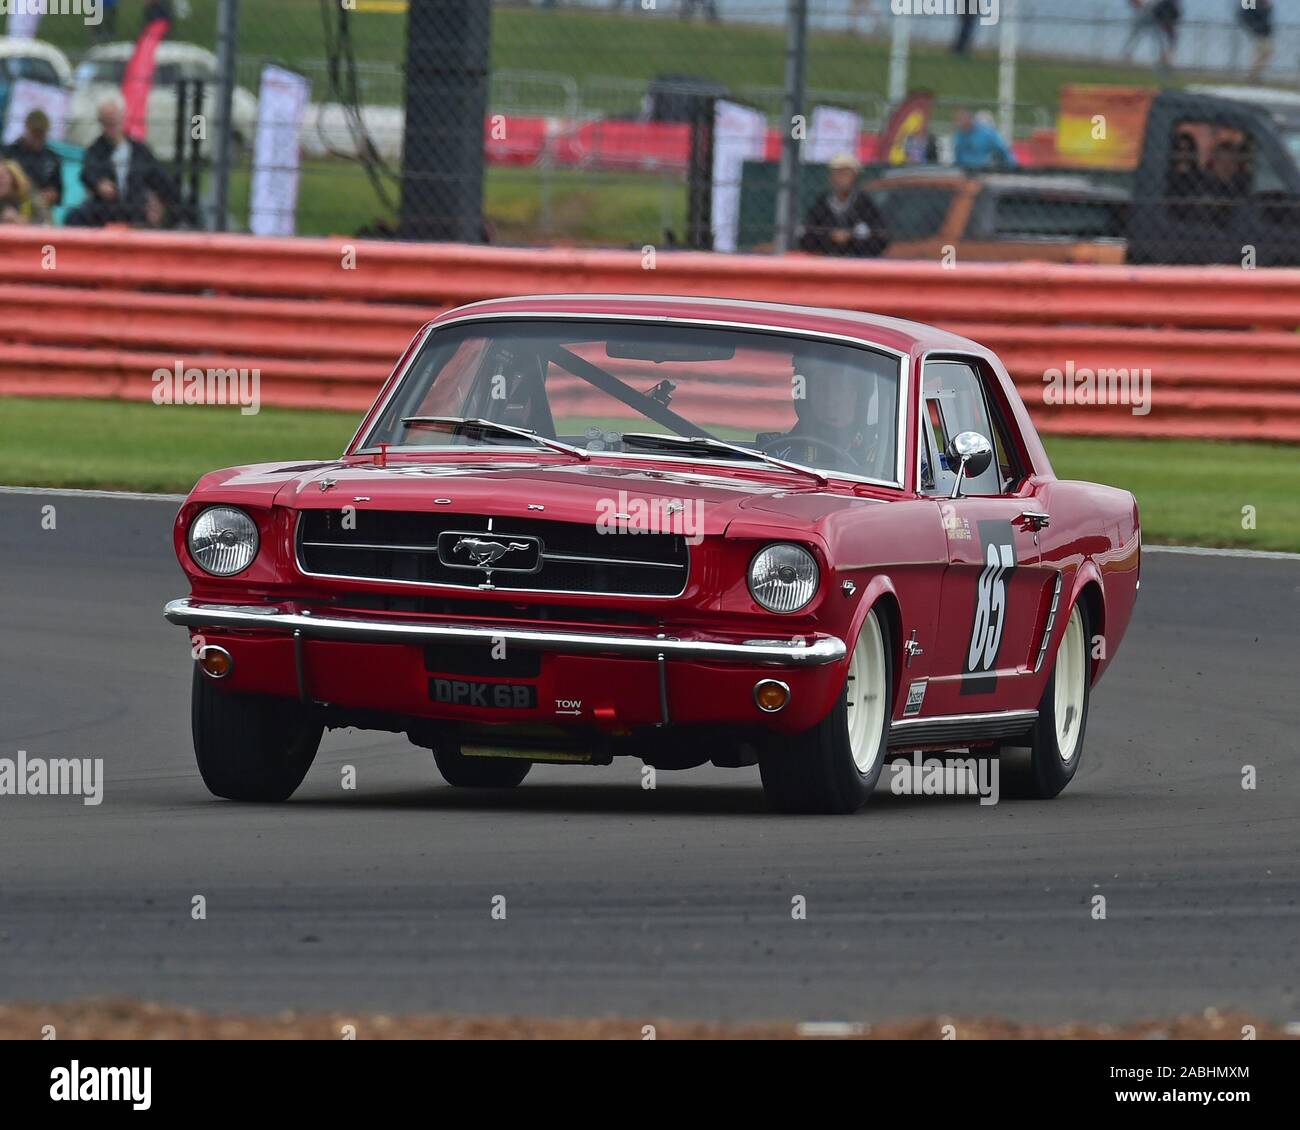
1056	741
479	772
250	747
833	767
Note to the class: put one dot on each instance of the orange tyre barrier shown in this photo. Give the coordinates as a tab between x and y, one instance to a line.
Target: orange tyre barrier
91	313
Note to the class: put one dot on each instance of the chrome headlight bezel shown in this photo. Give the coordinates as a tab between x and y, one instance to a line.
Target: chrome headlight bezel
783	578
227	534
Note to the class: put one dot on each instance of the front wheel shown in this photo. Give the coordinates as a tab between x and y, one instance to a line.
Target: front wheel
250	747
834	766
1056	741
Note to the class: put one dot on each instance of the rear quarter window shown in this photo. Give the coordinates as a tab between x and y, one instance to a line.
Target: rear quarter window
1037	216
914	213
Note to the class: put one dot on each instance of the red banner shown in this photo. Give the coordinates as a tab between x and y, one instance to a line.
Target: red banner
137	80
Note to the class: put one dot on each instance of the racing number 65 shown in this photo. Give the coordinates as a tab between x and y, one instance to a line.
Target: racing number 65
990	608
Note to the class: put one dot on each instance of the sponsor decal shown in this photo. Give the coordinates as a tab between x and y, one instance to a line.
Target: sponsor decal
915	697
998	549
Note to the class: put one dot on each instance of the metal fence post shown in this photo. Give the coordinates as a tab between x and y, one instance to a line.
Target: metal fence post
796	60
447	60
222	141
900	40
1007	49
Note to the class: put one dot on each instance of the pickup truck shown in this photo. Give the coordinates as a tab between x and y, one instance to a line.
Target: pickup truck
1000	216
1218	178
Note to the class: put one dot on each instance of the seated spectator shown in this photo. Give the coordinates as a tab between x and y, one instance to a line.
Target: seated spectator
1227	179
15	194
119	174
978	145
41	165
845	221
1185	181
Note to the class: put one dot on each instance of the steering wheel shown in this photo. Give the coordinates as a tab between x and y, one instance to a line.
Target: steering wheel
848	458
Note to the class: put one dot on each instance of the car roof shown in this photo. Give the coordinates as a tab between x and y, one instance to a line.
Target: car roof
1283	105
167	52
998	182
897	334
1259	95
31	48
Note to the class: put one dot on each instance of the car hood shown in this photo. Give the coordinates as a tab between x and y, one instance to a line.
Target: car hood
712	497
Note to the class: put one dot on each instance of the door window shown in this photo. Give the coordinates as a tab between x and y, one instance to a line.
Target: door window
953	401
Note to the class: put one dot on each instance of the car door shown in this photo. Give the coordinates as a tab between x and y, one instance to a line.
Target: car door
996	586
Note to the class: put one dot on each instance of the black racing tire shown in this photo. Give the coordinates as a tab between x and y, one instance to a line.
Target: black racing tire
479	772
1051	767
815	771
250	747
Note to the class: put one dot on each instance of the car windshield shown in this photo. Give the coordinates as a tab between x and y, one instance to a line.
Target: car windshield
35	70
101	70
629	388
1291	139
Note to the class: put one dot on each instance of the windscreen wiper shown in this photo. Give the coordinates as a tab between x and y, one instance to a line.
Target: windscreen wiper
474	423
709	443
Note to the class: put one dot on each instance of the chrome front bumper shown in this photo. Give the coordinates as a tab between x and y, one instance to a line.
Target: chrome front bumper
814	651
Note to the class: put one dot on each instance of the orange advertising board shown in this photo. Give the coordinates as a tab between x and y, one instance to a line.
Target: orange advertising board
1101	127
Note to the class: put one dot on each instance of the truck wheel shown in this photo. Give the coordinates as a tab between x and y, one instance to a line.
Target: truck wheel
479	772
1056	741
833	767
250	747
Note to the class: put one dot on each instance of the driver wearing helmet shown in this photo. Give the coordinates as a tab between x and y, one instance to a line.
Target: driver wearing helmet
830	404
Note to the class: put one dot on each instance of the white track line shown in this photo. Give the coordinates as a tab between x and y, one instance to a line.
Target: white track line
68	492
136	496
1210	551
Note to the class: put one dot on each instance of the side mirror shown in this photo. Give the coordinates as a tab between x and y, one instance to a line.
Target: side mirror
972	453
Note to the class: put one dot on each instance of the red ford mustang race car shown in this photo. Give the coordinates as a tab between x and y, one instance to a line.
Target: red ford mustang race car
683	529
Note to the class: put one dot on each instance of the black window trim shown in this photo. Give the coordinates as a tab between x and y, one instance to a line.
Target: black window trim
996	416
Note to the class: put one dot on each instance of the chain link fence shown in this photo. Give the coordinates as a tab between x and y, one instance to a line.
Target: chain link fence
1161	131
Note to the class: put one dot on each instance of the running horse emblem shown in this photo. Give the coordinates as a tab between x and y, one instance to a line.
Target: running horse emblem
485	554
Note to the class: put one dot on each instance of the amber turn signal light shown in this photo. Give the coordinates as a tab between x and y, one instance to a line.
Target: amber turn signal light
771	695
215	662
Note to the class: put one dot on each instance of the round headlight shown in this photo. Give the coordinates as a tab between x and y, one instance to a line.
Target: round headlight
783	577
223	541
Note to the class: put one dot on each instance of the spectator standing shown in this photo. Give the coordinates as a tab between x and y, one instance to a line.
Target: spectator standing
43	169
1258	22
969	21
119	174
978	145
1159	18
15	194
106	32
845	221
708	7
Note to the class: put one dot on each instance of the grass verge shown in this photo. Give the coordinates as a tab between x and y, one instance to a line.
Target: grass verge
1190	491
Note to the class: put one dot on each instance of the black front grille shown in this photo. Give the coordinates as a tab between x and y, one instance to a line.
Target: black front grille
396	545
